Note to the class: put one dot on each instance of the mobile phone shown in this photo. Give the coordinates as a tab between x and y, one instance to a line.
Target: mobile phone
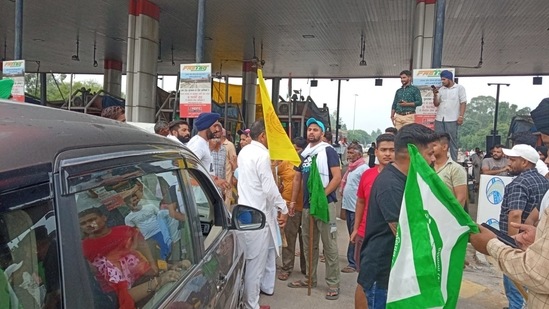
504	238
433	87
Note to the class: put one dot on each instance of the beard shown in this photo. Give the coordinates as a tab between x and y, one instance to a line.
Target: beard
210	135
184	139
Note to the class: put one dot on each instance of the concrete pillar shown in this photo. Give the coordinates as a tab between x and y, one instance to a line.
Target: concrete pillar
112	77
142	107
130	71
249	83
424	22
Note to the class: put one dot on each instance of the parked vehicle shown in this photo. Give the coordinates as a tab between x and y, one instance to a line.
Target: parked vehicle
98	214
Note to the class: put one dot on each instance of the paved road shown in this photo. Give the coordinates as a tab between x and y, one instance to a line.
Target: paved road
481	287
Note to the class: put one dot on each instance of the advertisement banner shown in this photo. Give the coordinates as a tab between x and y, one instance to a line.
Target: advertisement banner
424	79
15	69
195	89
490	195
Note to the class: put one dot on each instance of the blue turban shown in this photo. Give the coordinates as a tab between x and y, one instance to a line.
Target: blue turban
447	74
206	120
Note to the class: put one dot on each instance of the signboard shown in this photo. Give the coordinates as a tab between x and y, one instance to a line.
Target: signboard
424	79
195	89
15	69
490	195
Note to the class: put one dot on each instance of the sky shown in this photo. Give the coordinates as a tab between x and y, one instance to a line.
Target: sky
373	104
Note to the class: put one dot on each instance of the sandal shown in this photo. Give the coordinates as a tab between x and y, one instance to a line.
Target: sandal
348	269
300	284
283	276
332	294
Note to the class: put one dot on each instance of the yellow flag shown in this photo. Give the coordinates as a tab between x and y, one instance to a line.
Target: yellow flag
280	145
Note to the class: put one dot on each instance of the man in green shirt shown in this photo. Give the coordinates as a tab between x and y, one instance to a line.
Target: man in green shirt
407	98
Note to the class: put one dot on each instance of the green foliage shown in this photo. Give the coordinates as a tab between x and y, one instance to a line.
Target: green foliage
333	121
479	121
58	88
375	134
360	135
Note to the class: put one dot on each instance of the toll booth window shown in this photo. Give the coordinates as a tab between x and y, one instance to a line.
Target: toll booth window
29	265
136	239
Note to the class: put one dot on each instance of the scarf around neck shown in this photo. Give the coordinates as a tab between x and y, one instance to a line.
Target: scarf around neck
352	166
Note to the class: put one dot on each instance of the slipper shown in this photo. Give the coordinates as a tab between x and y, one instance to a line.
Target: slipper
332	294
283	276
300	284
348	269
297	253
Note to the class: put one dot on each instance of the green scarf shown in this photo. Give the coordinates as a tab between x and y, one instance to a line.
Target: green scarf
318	201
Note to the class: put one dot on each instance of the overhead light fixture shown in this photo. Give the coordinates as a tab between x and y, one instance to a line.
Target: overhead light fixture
314	83
75	57
379	82
159	58
173	62
308	36
95	64
362	50
207	38
537	80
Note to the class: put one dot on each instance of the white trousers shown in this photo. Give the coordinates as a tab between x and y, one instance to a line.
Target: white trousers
255	268
269	273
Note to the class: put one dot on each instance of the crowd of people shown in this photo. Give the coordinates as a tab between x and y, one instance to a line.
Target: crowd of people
300	201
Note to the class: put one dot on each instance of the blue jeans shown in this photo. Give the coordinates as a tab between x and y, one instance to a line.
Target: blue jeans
516	301
350	218
377	298
450	127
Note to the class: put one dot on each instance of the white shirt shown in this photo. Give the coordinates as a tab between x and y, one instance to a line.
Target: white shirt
543	205
174	138
257	187
201	149
450	99
145	220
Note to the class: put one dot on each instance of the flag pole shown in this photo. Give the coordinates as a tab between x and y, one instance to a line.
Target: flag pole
311	231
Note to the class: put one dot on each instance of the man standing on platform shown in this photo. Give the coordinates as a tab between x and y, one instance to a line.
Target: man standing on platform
407	98
450	100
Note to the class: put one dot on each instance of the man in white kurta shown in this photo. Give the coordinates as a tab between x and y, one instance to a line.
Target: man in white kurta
257	188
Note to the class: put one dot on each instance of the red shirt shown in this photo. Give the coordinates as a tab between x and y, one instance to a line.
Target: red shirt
364	189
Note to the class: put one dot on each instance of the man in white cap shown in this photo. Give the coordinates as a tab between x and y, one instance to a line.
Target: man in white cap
521	197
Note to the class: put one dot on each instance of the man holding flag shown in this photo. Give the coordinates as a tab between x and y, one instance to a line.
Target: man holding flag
319	175
383	213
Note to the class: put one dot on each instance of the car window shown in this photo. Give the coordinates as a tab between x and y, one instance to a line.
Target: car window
136	237
205	204
29	266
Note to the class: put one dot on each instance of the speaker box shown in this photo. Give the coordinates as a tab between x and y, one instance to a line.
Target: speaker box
490	142
379	82
314	83
537	80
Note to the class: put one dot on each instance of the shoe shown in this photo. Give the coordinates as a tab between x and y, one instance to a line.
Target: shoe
264	307
261	292
348	269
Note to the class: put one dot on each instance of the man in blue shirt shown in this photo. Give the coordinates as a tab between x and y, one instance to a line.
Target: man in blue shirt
327	162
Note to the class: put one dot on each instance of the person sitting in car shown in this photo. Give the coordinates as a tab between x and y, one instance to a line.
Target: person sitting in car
120	259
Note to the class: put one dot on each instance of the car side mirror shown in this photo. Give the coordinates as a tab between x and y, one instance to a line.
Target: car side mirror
246	218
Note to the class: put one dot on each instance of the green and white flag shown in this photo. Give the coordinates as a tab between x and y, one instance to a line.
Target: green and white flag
431	242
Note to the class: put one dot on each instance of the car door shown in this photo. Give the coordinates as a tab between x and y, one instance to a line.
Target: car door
218	281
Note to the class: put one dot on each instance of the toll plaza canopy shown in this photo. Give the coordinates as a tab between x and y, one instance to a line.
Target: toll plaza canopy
307	38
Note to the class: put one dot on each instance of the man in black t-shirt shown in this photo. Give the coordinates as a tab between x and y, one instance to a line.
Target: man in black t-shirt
383	212
329	169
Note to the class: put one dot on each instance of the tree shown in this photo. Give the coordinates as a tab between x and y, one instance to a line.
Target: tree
360	135
479	121
333	122
57	86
